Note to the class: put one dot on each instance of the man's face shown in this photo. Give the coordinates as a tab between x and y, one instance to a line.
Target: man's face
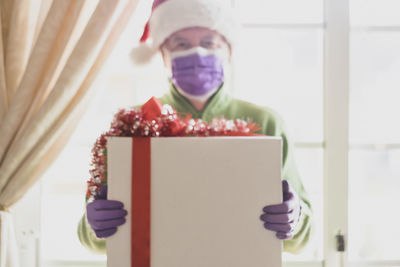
193	37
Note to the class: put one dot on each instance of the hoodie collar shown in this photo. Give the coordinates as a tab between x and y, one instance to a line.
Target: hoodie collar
215	104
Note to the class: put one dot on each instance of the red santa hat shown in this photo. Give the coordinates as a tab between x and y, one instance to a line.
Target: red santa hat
169	16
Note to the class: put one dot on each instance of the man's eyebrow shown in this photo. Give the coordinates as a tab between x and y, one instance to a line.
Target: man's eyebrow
178	39
208	37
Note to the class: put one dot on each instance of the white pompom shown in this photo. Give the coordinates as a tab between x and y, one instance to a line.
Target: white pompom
142	54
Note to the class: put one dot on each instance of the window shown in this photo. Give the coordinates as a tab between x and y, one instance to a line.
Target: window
331	69
279	64
374	155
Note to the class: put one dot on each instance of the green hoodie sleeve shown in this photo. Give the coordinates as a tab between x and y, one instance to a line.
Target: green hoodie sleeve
290	173
88	238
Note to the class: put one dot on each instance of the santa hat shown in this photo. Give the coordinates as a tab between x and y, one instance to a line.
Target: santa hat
169	16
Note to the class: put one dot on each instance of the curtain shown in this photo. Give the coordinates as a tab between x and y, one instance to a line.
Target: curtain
50	54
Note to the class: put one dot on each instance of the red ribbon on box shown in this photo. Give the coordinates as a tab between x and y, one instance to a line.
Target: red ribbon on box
141	178
153	119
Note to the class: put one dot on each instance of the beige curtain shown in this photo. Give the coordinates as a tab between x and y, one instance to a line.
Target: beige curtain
50	54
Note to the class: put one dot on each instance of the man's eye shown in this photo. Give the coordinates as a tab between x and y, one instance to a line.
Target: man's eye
181	45
208	44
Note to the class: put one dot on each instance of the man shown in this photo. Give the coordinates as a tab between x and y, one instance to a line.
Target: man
197	50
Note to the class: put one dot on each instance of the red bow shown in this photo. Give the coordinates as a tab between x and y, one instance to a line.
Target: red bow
152	109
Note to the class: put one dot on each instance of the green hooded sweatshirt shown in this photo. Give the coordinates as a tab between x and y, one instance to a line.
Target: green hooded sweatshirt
222	104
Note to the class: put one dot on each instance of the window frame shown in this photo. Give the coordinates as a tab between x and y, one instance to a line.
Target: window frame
336	93
338	30
336	87
336	128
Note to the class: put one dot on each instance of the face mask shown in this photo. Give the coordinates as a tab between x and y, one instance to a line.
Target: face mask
198	71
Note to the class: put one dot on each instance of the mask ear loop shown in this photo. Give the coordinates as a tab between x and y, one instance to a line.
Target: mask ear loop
226	65
166	57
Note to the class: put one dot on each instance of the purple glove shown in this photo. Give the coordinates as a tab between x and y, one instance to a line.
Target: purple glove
283	218
105	215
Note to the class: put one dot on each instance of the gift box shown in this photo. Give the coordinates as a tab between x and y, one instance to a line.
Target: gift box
194	201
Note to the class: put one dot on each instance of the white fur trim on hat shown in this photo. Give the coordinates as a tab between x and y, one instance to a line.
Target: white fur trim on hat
174	15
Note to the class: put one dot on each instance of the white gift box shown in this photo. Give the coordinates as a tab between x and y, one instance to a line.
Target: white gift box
204	201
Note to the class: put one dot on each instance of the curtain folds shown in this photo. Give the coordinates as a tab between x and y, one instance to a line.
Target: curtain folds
50	54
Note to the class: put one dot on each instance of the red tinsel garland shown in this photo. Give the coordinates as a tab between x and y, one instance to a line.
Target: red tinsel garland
154	120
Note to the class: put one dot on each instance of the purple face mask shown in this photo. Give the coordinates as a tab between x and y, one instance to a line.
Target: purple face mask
197	73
